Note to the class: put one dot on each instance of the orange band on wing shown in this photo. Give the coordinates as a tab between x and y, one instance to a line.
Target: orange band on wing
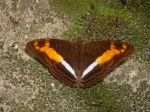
108	55
51	53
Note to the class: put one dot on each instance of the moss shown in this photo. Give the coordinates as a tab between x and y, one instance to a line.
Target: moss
108	23
93	20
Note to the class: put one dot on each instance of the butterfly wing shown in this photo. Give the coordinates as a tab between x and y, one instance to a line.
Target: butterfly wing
100	57
56	54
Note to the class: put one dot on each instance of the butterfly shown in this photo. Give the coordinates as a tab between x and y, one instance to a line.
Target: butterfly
79	64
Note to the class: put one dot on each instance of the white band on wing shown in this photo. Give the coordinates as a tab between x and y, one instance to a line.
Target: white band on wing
68	67
89	68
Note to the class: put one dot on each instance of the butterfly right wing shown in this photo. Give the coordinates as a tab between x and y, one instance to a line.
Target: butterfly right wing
100	57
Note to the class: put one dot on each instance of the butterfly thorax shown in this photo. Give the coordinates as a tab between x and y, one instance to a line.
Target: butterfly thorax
79	58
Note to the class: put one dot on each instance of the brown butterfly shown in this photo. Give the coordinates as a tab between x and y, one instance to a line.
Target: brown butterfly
78	64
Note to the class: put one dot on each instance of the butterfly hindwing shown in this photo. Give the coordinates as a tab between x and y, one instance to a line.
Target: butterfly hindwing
107	54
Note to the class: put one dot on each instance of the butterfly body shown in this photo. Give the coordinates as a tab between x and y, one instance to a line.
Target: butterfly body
79	64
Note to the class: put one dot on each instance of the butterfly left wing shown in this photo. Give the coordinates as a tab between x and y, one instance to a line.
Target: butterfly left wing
100	57
58	56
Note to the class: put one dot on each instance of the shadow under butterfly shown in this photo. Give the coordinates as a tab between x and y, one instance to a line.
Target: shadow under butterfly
79	64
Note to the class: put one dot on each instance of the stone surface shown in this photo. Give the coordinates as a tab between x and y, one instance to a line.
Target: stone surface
26	86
